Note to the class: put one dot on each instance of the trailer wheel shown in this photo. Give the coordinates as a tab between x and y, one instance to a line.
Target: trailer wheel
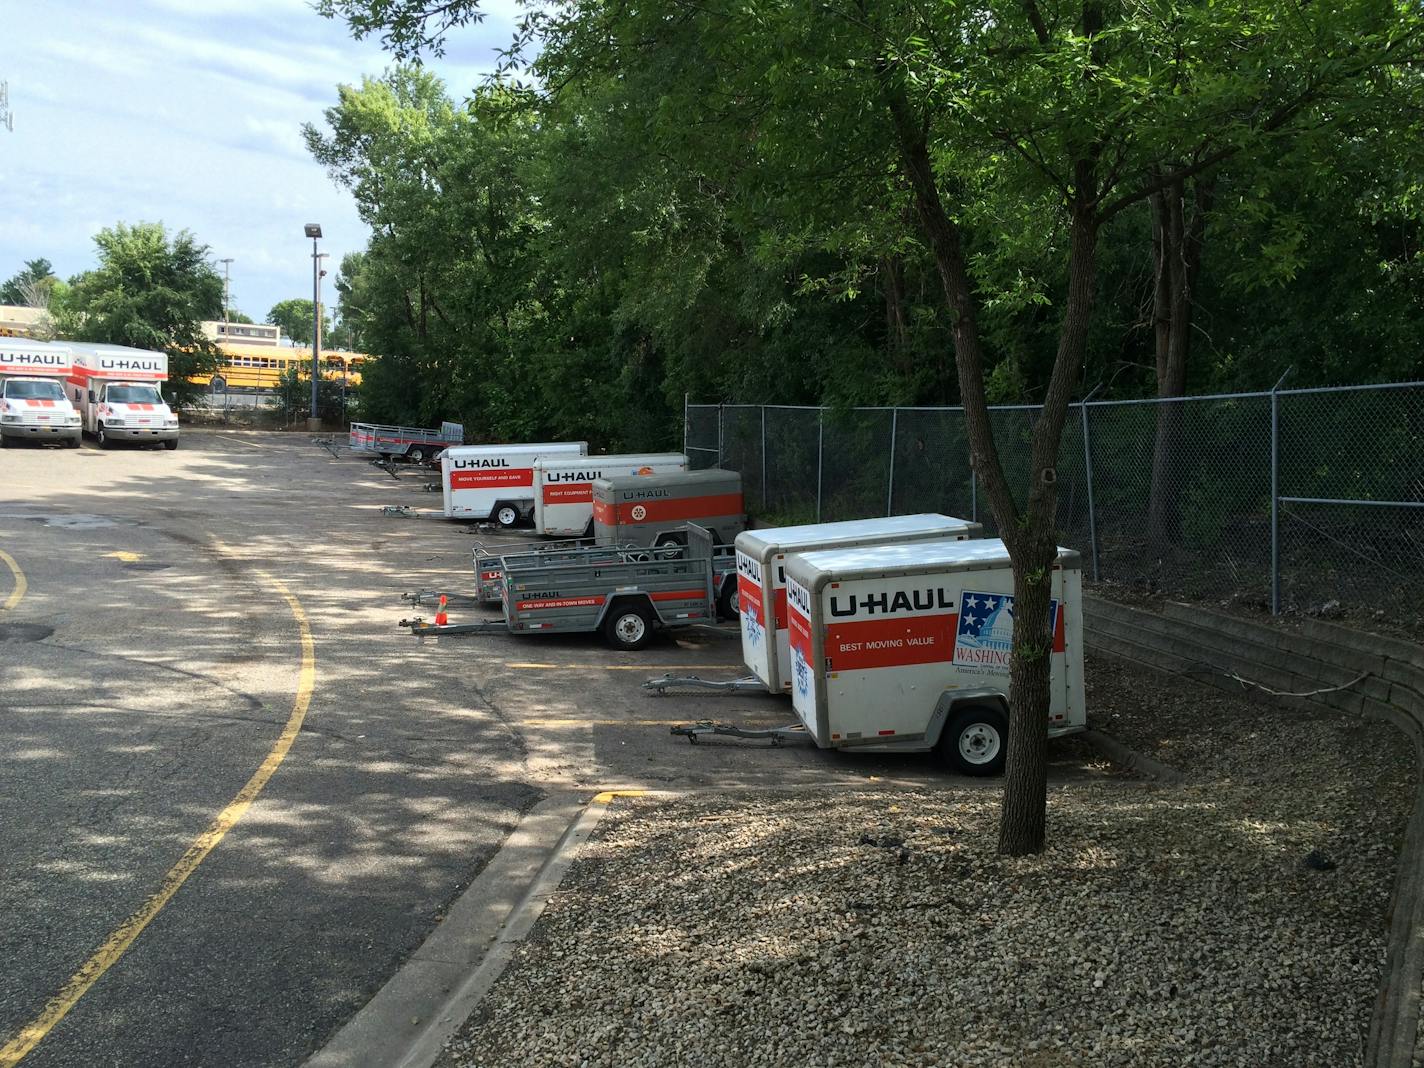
416	456
975	741
669	546
506	515
729	603
628	627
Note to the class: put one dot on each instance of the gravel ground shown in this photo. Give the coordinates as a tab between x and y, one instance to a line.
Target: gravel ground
1237	920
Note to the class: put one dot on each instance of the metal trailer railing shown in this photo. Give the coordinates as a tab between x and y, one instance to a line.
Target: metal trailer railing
627	595
489	562
416	444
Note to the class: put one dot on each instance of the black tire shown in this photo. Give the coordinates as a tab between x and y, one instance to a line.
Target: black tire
975	741
729	602
171	444
102	438
668	546
628	626
4	442
506	515
71	443
416	456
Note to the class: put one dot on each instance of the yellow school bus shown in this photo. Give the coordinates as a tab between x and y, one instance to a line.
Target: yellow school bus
262	366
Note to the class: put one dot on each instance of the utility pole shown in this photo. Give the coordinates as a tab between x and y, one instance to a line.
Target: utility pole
313	231
227	291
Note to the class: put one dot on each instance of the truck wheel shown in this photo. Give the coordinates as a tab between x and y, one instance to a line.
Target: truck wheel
975	741
506	515
71	443
4	441
729	603
628	627
171	444
102	438
416	456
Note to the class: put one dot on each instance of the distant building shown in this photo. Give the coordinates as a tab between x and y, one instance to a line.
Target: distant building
16	320
243	333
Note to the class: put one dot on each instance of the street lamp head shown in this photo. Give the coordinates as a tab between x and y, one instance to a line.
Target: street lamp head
313	229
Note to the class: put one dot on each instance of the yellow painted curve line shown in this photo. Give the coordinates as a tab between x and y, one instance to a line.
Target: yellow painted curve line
21	584
124	936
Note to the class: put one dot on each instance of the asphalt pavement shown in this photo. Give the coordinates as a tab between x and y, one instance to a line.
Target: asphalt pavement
152	670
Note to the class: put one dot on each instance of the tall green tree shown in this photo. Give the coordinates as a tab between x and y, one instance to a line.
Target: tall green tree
295	318
1016	133
31	286
149	290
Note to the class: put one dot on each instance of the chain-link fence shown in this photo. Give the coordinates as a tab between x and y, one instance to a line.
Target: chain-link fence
1292	500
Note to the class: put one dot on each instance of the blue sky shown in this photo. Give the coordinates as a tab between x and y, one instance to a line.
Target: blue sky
188	112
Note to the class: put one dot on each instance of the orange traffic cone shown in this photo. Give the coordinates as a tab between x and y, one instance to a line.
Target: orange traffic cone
441	617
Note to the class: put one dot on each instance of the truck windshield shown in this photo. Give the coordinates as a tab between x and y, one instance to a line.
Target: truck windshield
22	390
133	395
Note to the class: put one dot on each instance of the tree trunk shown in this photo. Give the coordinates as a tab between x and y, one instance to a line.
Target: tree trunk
1178	235
1030	537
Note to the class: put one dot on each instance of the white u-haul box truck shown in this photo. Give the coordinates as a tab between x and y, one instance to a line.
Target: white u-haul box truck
563	486
118	391
496	481
761	576
906	647
32	401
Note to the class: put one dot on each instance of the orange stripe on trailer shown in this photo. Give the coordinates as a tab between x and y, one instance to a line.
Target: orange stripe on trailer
680	508
878	643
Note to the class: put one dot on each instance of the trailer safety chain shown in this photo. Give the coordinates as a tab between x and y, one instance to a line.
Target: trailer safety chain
328	444
400	509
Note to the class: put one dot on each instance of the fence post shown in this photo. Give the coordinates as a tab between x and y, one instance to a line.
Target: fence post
973	492
1088	465
763	457
719	435
820	455
686	416
1276	494
890	488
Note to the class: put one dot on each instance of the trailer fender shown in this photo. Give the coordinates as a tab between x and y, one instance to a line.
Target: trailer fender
952	699
618	600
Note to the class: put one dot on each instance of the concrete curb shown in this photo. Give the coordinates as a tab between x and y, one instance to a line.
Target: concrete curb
1120	754
408	1020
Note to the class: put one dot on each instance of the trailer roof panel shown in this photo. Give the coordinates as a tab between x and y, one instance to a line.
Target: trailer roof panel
707	475
518	446
911	557
612	458
854	530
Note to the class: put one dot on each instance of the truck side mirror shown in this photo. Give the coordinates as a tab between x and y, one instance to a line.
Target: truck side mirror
92	398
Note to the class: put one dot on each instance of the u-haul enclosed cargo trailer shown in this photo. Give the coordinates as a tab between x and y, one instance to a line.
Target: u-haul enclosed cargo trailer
761	578
906	647
655	509
496	481
563	486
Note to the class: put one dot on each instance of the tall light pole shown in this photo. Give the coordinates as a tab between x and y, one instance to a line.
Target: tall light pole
313	231
227	290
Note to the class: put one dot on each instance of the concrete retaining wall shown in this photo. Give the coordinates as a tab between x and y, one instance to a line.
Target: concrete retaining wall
1298	657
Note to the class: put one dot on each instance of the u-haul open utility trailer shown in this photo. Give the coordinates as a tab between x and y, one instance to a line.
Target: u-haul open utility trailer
489	561
626	594
563	486
761	576
654	509
496	482
417	444
906	647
